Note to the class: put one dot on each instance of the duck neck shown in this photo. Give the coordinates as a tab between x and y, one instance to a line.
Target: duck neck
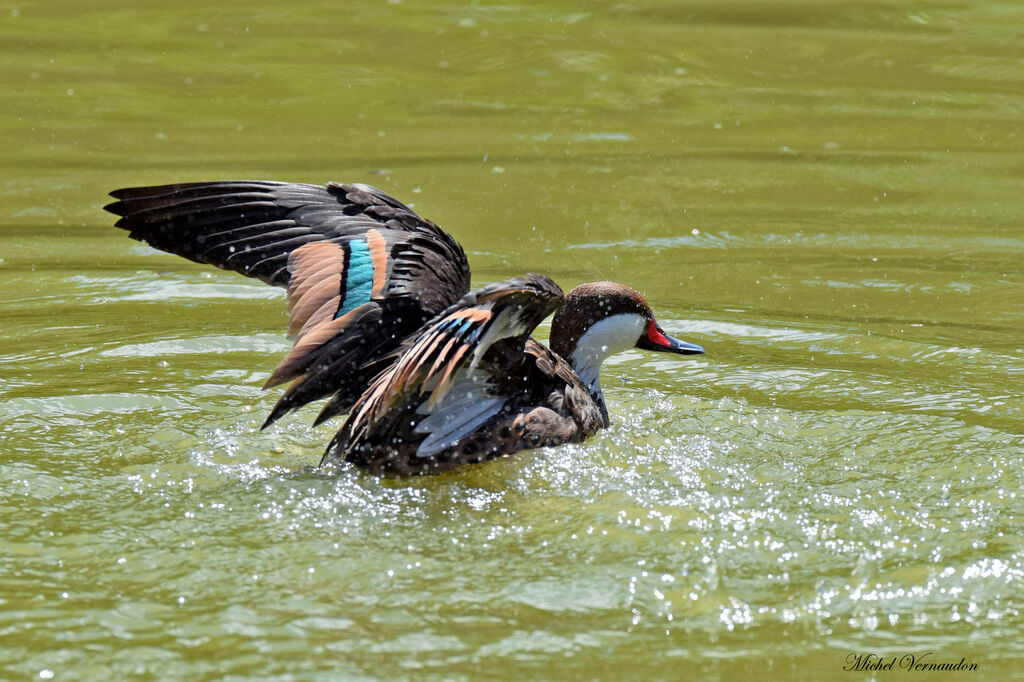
589	350
584	360
590	375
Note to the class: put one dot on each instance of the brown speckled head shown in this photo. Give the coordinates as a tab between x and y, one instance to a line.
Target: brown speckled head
588	304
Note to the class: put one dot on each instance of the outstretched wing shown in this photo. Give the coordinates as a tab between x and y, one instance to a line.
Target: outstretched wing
363	271
444	384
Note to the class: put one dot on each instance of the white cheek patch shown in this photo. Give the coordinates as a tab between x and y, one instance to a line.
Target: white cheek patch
608	337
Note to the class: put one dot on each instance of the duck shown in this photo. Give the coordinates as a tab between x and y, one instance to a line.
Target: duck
431	375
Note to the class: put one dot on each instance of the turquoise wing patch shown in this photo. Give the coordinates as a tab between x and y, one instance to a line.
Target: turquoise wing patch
358	277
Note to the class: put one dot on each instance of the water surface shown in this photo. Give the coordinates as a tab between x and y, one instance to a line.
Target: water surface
827	196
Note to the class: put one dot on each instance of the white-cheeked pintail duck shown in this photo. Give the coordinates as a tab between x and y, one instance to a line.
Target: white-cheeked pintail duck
432	375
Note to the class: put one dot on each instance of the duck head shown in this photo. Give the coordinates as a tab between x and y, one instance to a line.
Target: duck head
600	319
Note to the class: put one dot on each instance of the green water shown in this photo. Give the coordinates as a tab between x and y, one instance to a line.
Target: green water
826	195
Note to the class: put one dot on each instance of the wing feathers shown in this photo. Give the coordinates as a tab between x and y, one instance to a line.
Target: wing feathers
379	258
324	291
327	311
310	264
297	361
468	405
404	270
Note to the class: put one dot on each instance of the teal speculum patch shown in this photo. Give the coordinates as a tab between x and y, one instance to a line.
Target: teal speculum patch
358	277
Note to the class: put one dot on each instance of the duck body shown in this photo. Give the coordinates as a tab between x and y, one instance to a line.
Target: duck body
432	375
452	398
